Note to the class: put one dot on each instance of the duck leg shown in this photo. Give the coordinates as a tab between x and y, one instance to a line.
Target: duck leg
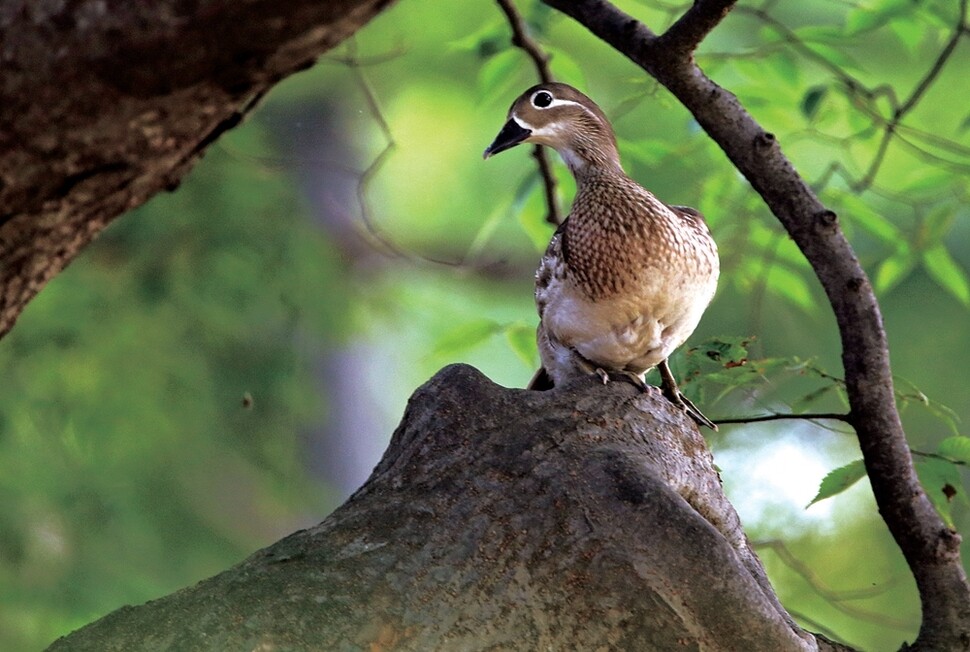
668	386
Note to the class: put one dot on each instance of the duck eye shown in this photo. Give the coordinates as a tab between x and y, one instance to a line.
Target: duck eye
542	99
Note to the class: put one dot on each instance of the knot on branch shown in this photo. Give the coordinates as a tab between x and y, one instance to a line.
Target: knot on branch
948	544
827	220
764	140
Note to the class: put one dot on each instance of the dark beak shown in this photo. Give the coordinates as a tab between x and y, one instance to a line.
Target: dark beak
510	136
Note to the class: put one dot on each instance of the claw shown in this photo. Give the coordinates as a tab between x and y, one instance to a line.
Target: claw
693	412
668	386
605	377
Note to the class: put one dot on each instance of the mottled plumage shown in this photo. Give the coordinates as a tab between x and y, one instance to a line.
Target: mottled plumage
626	278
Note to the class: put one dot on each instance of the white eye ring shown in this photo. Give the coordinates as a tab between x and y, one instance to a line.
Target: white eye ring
542	99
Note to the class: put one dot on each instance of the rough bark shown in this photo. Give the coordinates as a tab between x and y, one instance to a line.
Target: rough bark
585	518
106	102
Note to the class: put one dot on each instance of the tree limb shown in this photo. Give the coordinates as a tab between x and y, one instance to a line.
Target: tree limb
107	102
689	30
931	549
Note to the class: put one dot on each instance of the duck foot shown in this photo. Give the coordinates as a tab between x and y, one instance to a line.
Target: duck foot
668	385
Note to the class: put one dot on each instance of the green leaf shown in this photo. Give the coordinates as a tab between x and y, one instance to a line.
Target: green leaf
812	99
859	211
834	56
466	336
649	152
499	72
839	480
540	18
894	270
491	39
485	231
819	34
774	244
928	182
725	351
785	67
807	400
565	68
532	211
966	123
956	448
872	15
936	225
908	392
909	33
941	481
522	340
724	361
791	285
947	273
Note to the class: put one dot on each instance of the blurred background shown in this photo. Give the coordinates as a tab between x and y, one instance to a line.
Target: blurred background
226	364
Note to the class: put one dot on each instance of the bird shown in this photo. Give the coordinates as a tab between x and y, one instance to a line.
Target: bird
625	278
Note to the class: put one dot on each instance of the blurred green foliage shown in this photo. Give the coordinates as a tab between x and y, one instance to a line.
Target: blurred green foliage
130	466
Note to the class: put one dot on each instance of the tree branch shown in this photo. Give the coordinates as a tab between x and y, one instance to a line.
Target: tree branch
808	416
937	456
689	30
521	39
931	549
108	102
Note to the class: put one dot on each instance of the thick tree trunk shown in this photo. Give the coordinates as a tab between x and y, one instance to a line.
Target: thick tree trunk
585	518
106	102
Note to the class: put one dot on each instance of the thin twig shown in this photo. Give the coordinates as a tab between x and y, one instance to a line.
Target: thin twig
876	163
937	67
807	416
378	162
522	40
820	628
836	599
937	456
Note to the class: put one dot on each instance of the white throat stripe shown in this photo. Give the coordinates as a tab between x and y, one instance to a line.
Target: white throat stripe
522	123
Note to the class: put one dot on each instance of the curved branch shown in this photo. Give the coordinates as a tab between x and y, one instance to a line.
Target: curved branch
931	549
522	40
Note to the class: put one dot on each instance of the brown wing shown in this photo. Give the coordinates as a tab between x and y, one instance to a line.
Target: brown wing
550	265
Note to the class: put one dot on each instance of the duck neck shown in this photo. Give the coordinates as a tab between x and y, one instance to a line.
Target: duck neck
588	160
